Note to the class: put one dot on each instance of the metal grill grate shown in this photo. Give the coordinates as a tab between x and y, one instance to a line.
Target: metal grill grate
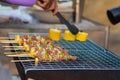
90	57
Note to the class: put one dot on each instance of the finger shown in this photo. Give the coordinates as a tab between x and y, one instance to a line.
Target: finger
39	3
52	6
55	11
46	2
43	4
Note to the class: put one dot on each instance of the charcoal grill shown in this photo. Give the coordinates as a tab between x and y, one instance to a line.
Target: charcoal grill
94	63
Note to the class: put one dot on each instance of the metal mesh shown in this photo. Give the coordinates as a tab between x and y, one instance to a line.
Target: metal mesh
90	57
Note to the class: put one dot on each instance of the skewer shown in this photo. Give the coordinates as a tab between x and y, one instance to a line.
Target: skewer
14	49
42	47
18	55
12	46
9	53
23	60
4	38
31	60
36	61
8	41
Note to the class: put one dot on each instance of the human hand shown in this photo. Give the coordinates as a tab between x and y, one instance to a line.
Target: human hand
49	5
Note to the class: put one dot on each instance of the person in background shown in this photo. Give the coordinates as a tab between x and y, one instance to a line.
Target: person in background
47	5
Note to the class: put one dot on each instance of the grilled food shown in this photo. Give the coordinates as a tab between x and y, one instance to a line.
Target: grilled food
82	36
43	48
68	36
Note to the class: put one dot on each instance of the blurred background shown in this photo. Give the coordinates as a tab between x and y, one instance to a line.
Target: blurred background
88	15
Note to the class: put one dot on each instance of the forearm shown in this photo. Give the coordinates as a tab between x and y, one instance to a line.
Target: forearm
20	2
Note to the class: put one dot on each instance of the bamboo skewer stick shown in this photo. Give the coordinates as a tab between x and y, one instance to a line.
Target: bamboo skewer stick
12	46
19	55
14	49
9	53
8	41
23	60
4	38
30	60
